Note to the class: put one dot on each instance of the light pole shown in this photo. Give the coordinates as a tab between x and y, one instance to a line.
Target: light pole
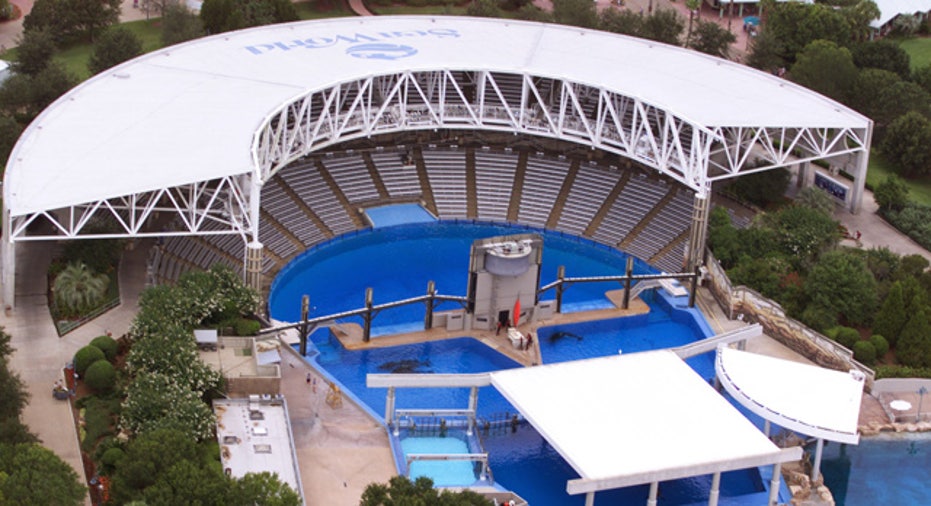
921	396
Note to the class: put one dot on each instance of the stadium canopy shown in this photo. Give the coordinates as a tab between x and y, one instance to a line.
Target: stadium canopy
194	130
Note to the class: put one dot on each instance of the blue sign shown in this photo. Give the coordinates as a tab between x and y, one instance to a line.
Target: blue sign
381	51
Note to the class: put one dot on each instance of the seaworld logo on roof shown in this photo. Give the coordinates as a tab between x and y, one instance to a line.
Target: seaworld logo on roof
377	46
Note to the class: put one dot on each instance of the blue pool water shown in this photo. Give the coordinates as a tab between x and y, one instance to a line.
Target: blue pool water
885	469
456	473
398	214
397	262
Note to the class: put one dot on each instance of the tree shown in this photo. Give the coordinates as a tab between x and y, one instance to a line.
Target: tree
907	144
114	46
70	20
914	344
220	16
922	77
34	52
891	194
23	96
817	199
10	131
623	21
891	318
841	282
190	482
484	9
693	6
225	15
795	25
760	188
766	52
882	54
859	16
826	68
77	288
901	98
530	12
402	491
32	474
710	38
580	13
154	401
147	457
262	488
867	89
664	25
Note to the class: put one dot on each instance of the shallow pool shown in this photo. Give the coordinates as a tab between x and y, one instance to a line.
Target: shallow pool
886	469
456	473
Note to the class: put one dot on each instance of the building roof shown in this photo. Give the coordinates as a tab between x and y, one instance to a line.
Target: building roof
808	399
650	408
190	113
889	9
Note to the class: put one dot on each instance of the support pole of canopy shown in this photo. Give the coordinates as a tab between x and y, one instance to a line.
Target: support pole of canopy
473	407
766	427
254	265
654	493
774	484
859	179
8	256
561	287
428	316
590	499
715	489
816	466
628	273
696	247
367	316
389	411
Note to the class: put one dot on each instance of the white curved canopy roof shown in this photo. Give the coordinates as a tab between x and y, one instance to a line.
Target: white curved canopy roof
189	113
812	400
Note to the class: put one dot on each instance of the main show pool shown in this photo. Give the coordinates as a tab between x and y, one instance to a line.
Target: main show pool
397	262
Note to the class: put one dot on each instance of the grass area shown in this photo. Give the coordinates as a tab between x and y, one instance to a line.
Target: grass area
879	169
918	49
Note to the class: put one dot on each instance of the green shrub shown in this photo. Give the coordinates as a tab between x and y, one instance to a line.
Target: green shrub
101	376
107	345
901	371
864	352
111	458
832	332
85	357
98	421
880	344
847	337
246	327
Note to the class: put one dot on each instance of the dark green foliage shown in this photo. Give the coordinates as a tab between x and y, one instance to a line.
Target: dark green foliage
891	318
107	345
880	345
262	488
907	144
220	16
114	46
85	357
795	25
71	20
664	25
867	90
188	482
766	52
913	220
825	67
24	96
100	255
147	458
580	13
901	98
99	418
712	38
891	194
14	398
484	9
246	327
819	317
817	199
761	188
914	344
846	336
112	458
840	282
179	24
882	54
34	52
922	77
623	21
402	491
530	12
101	376
901	371
864	352
801	233
32	474
764	274
10	131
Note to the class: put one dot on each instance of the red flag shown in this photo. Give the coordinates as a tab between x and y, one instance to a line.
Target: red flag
516	316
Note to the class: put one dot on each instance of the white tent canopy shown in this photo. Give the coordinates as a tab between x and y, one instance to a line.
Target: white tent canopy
632	419
811	400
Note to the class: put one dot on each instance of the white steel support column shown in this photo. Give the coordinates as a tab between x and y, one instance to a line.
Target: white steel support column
715	489
766	427
254	265
590	499
774	484
859	179
654	493
389	411
816	465
8	279
696	246
473	407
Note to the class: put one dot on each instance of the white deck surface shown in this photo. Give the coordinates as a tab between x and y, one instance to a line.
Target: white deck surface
812	400
635	418
263	445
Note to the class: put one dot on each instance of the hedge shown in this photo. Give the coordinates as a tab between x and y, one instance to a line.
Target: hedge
85	357
100	376
107	345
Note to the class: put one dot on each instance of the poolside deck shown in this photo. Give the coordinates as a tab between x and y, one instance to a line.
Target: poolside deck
350	334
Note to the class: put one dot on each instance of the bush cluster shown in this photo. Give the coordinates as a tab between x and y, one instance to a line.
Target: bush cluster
101	376
107	345
85	357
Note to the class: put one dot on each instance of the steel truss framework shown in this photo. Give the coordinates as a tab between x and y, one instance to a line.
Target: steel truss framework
693	154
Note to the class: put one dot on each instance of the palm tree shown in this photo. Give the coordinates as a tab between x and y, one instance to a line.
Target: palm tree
693	6
78	287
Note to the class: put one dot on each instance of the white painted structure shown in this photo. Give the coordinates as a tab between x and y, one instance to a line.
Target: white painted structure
889	9
195	130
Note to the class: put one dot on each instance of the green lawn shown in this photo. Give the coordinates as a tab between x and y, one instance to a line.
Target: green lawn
918	49
879	169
